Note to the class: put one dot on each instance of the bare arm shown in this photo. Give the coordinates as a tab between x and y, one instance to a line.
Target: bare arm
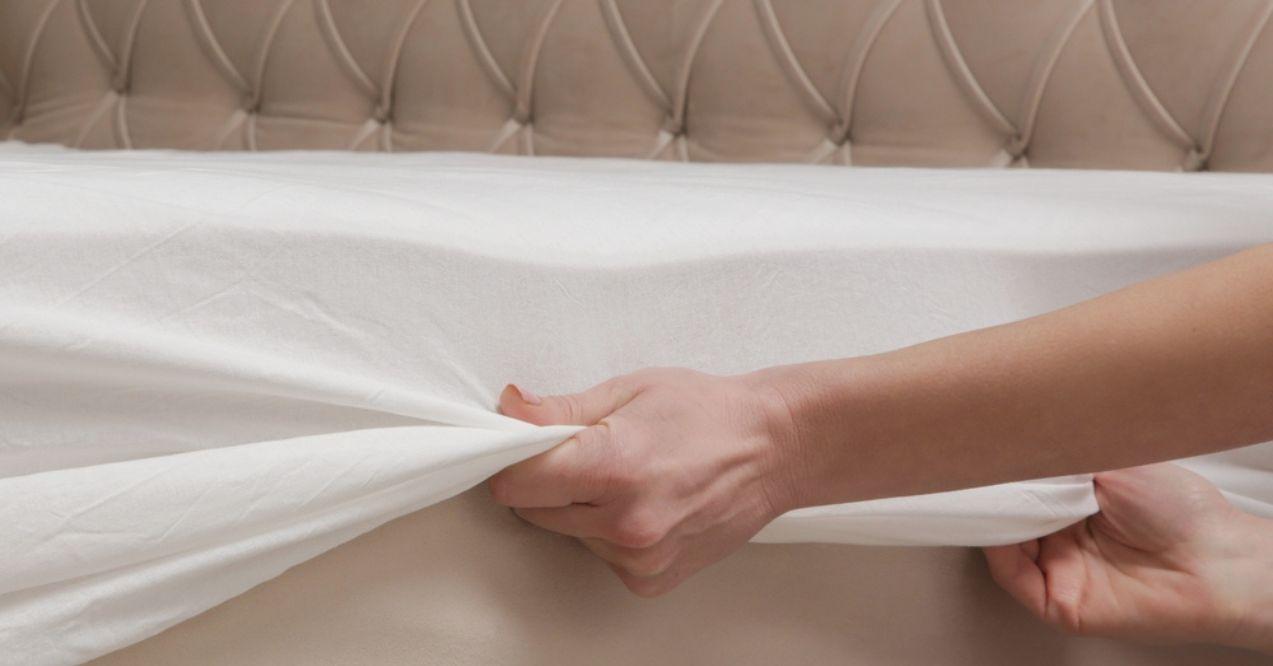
679	468
1177	366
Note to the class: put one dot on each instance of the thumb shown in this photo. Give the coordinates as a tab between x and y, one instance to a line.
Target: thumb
1155	506
586	408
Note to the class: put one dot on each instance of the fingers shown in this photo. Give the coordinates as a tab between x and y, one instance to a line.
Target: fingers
627	531
577	471
1015	569
1049	576
577	520
646	562
1066	572
651	586
646	572
586	408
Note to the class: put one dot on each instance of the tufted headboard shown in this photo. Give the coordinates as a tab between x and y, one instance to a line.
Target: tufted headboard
1141	84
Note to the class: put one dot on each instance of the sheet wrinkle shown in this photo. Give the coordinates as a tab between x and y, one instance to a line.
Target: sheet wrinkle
45	554
111	271
92	578
354	333
203	363
314	366
202	301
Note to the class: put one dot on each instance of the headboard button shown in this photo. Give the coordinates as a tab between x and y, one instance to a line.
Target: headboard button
521	114
838	134
1195	160
1015	147
673	126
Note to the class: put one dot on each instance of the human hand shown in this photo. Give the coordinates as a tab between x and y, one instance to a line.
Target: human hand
1167	559
676	470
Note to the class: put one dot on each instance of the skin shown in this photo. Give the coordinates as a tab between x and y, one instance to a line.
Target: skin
679	468
1167	560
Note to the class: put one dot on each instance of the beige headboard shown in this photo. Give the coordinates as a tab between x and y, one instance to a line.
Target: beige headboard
1150	84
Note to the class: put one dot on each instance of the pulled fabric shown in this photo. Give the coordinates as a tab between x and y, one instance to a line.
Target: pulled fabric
214	367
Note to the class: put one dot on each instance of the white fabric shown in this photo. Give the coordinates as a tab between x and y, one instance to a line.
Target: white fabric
213	367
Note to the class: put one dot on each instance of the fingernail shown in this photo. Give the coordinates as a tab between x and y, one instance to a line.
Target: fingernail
527	396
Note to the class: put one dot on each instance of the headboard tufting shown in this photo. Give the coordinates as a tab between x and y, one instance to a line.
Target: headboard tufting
1143	84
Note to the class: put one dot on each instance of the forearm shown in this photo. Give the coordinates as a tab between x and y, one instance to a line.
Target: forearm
1177	366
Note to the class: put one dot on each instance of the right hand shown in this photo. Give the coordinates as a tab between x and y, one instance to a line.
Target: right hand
677	470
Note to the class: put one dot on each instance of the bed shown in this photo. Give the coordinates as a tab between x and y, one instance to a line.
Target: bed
228	441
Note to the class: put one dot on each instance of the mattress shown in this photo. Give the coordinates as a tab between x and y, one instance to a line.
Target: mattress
216	367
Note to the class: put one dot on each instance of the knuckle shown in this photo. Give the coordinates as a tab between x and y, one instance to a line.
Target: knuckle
622	478
571	408
632	381
647	562
658	372
606	467
1070	623
645	588
596	435
1068	617
638	530
642	378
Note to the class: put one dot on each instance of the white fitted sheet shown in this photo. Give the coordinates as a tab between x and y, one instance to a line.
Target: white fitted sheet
213	367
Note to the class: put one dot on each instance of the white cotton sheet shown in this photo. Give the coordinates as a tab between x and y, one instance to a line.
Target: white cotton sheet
214	367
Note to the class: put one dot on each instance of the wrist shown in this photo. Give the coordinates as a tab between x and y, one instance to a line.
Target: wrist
802	469
780	436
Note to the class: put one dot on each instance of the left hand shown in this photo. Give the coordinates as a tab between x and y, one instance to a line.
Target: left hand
1167	560
676	470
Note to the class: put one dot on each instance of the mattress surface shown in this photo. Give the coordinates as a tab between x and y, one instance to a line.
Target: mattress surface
214	367
463	582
